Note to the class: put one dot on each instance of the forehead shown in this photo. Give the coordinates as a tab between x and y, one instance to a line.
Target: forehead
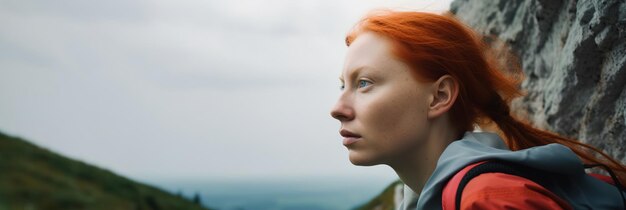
368	48
370	51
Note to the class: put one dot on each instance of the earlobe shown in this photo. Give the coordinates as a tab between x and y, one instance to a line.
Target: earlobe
445	92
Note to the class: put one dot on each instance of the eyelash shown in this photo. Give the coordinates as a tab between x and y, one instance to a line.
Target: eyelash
364	83
360	84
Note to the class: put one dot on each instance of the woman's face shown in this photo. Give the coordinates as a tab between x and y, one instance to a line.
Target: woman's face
382	107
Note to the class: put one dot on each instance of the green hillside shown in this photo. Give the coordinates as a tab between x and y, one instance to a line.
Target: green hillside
34	178
383	201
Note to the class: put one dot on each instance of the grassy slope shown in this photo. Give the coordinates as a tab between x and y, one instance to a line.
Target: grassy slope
383	201
35	178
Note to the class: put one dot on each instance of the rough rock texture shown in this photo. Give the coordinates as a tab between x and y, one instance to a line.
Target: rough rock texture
574	56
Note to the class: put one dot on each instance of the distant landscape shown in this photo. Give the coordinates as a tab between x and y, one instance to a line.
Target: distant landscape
305	194
36	178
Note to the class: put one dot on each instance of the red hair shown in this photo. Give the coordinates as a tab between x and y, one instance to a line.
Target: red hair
436	45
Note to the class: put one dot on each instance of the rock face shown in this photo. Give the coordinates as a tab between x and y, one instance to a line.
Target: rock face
574	56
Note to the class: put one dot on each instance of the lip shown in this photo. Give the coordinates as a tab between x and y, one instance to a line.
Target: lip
349	137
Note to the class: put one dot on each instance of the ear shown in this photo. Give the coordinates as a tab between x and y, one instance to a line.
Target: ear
445	91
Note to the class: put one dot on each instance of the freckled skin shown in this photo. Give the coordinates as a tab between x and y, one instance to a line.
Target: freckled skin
390	113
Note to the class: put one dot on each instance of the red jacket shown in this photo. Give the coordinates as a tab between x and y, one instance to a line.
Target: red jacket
504	191
499	191
572	189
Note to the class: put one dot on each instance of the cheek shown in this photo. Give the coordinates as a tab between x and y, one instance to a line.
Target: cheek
396	118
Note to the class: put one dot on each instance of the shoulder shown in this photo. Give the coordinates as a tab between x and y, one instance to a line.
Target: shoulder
499	190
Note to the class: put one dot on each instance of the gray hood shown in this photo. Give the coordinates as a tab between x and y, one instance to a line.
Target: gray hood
580	190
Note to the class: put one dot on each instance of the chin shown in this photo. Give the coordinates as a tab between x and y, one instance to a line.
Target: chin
362	160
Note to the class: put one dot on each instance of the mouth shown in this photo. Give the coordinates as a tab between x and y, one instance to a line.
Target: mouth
349	137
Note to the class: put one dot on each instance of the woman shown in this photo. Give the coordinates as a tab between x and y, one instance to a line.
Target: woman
414	87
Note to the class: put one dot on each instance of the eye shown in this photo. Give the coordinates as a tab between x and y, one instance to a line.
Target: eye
342	86
364	83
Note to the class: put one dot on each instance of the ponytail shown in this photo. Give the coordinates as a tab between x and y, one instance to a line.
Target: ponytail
436	45
519	135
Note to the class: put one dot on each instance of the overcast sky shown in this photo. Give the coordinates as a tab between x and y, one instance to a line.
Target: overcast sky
183	89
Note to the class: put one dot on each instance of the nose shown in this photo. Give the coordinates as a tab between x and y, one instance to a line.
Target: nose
343	110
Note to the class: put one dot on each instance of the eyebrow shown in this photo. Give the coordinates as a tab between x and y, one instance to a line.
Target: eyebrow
354	72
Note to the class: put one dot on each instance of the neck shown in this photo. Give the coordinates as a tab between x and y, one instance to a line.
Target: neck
416	167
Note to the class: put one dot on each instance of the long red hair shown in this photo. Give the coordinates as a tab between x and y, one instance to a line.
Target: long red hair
435	45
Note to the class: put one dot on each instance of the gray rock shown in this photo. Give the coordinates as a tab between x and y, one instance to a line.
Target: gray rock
574	56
